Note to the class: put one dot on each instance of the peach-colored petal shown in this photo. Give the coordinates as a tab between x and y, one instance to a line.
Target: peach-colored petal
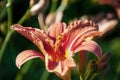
60	67
56	29
86	36
77	32
37	36
77	29
89	46
27	55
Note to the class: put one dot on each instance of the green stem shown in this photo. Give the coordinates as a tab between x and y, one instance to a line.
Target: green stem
82	63
5	43
91	71
25	16
81	78
9	13
62	6
10	32
23	71
2	14
91	76
44	75
3	11
53	6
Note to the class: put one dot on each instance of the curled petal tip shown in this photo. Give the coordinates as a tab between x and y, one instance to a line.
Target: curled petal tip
27	55
18	66
15	26
12	27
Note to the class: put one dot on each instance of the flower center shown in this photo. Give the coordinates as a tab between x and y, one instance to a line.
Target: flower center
60	56
59	50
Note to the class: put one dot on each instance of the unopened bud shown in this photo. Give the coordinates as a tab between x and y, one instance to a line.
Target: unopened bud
103	62
32	2
39	7
59	16
106	26
53	18
50	19
105	58
102	66
93	66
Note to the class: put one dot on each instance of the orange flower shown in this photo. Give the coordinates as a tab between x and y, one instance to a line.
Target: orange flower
59	44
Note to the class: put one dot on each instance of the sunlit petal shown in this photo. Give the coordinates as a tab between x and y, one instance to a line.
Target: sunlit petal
27	55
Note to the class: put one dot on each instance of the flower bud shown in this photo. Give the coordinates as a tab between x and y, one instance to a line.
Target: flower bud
50	19
39	7
103	62
105	25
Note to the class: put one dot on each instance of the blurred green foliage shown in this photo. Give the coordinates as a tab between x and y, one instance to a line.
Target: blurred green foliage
36	71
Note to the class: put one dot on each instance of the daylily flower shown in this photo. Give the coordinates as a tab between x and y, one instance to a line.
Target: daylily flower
59	44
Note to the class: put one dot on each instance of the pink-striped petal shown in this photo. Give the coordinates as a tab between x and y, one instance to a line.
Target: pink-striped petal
37	36
87	36
76	30
55	30
27	55
61	67
89	46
